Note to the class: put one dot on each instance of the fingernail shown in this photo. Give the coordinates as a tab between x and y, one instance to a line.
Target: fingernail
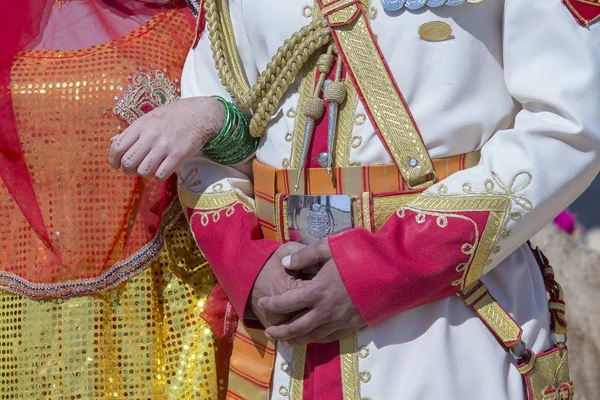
268	336
112	139
285	261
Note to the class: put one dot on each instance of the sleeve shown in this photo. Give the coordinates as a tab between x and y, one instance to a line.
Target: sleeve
218	200
464	226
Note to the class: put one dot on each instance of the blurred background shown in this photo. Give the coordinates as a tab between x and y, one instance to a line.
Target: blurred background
587	212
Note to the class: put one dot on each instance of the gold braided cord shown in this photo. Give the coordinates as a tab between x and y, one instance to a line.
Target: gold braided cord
278	75
279	86
284	54
235	84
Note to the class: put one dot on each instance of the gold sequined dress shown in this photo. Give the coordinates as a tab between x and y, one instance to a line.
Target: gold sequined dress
110	307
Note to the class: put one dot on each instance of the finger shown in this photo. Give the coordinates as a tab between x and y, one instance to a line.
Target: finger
167	168
288	302
134	156
295	328
120	145
318	335
335	336
151	163
317	253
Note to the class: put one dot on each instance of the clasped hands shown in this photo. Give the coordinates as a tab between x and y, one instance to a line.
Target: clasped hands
299	296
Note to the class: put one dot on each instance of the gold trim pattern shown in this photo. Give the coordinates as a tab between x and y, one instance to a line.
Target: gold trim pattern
442	222
208	201
498	206
215	215
366	211
345	126
278	205
349	365
286	222
297	375
498	319
392	117
385	207
499	203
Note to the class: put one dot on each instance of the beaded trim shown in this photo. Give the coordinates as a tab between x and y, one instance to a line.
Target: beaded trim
113	276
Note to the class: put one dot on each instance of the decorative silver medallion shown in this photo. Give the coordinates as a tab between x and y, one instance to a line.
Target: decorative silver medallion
311	218
318	223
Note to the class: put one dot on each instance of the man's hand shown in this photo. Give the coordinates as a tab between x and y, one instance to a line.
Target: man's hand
274	280
158	142
324	310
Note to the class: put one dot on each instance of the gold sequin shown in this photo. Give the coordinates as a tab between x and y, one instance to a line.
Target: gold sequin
143	339
90	211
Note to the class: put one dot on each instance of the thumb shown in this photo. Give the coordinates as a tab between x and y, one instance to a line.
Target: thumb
317	253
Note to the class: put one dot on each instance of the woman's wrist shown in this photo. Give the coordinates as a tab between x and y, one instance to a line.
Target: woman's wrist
232	144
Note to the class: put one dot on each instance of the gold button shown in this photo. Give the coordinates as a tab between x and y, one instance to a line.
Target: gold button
435	31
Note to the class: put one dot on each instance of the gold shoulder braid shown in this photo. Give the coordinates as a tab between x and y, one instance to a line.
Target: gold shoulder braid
272	83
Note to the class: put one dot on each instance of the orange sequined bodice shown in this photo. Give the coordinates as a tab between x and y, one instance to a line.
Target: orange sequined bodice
103	226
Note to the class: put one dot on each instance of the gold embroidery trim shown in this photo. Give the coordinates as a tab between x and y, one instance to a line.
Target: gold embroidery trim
476	295
343	139
498	319
213	201
215	215
343	16
498	197
442	221
366	210
498	206
297	375
385	207
349	365
393	119
338	5
286	226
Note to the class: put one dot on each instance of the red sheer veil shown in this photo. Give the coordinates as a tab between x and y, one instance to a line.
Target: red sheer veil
32	24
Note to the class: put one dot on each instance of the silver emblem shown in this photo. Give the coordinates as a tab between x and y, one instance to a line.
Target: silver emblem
311	218
318	222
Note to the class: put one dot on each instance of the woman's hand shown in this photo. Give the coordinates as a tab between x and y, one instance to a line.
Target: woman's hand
158	142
